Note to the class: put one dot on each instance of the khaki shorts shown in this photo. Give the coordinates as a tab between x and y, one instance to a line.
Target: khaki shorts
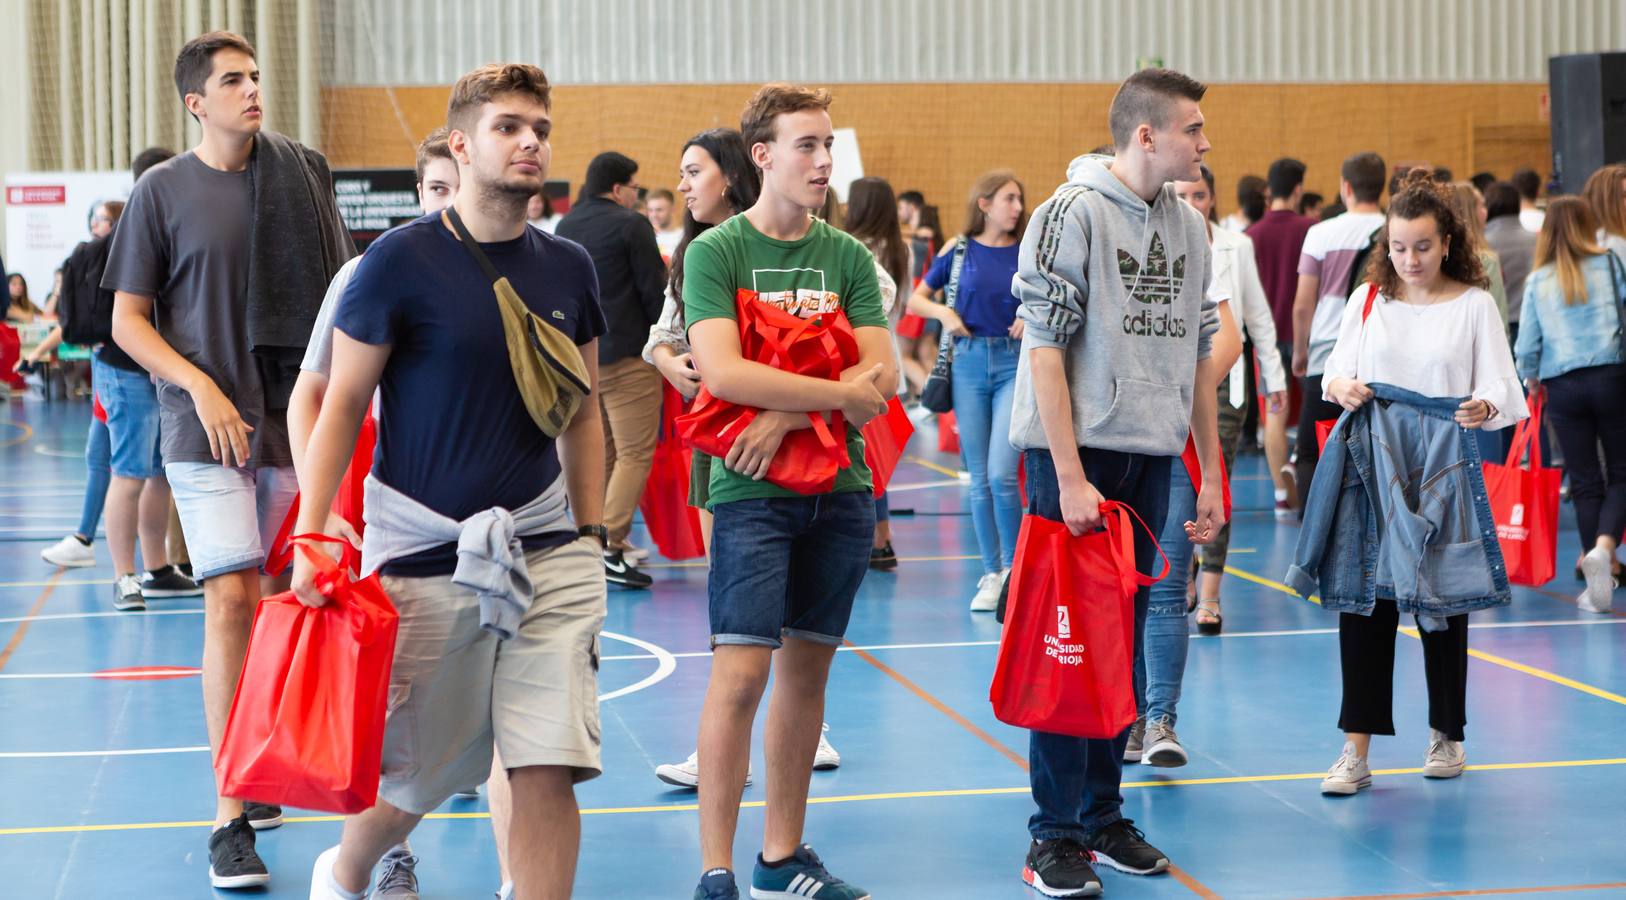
455	688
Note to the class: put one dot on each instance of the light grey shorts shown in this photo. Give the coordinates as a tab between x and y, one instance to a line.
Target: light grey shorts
455	688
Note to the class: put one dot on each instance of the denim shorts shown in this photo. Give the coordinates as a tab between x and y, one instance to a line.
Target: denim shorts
788	566
131	401
229	515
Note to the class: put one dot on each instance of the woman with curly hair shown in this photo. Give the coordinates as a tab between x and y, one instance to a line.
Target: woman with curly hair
1432	329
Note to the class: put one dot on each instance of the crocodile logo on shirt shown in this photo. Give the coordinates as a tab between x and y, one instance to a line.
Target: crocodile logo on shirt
1155	283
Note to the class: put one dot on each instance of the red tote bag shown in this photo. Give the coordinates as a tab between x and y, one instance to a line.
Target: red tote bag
1524	503
347	503
948	433
820	346
1067	654
673	524
885	436
307	724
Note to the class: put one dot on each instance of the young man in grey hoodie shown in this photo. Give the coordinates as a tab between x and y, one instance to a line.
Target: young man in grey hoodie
1114	375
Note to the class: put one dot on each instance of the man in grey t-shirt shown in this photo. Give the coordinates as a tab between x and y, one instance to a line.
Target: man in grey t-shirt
183	263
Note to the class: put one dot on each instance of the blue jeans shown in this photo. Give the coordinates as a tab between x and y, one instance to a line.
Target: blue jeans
788	567
984	386
131	402
98	453
1077	781
1161	664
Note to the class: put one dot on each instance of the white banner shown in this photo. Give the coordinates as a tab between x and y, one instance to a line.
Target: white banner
48	214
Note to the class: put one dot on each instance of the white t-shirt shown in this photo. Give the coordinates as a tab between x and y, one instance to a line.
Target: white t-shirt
668	242
1452	349
1531	219
1329	253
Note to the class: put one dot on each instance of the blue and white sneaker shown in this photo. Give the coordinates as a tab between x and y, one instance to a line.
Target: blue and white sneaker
803	875
717	884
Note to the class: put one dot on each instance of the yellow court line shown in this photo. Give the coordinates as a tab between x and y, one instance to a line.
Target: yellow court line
28	432
849	798
1491	658
941	470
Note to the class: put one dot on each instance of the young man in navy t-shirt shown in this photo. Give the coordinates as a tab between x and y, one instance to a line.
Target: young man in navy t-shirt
459	455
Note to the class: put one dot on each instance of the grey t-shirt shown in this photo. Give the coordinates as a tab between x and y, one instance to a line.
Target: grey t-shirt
183	240
319	352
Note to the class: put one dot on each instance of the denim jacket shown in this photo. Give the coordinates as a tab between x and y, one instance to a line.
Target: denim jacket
1398	511
1556	337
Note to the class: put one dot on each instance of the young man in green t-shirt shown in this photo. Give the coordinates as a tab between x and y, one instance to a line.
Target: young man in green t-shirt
784	566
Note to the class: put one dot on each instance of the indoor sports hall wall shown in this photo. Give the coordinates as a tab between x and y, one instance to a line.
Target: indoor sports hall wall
938	137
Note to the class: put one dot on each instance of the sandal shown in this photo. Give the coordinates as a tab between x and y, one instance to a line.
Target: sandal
1214	622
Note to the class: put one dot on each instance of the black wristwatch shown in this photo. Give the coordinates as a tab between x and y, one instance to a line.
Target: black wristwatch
598	531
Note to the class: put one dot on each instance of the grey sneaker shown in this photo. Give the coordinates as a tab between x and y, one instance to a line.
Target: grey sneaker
1162	747
1600	582
1348	775
1137	742
1445	757
127	594
397	879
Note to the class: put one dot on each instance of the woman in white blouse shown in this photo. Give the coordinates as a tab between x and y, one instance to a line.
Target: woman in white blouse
1433	329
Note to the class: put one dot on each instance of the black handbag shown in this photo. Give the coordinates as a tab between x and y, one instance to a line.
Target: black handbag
937	394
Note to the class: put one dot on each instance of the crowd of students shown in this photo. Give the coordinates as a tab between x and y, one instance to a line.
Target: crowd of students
1109	340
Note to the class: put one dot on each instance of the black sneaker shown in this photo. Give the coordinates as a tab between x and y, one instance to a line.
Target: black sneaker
618	571
262	816
168	582
186	569
883	559
232	860
1123	846
1061	868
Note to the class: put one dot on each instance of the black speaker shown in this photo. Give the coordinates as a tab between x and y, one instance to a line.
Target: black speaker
1587	94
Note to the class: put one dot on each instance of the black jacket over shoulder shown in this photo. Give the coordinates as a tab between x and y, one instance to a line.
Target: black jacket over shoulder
631	274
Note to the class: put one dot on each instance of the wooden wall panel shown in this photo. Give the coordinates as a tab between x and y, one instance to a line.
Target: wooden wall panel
937	138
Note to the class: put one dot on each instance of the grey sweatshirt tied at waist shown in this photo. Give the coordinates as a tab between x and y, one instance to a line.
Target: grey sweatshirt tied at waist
490	558
1120	285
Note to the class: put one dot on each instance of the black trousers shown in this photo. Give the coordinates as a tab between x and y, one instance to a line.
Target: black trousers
1307	450
1585	409
1366	650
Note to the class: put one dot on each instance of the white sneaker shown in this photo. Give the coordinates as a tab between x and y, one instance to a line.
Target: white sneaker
826	757
322	886
635	554
127	595
1445	759
1348	775
687	773
69	553
1600	581
987	596
472	793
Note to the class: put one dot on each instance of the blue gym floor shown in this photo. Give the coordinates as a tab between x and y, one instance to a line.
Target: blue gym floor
106	784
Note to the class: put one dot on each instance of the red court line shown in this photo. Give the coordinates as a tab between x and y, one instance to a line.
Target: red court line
1180	875
1488	892
22	627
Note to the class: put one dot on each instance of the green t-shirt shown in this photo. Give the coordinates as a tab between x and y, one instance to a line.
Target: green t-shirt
826	270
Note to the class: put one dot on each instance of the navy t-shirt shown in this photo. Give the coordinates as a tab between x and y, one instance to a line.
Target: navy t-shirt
453	432
985	303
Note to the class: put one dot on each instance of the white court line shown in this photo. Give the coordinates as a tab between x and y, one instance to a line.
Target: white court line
47	451
151	751
666	666
924	485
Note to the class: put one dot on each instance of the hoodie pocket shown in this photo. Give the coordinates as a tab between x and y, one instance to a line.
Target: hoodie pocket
1145	417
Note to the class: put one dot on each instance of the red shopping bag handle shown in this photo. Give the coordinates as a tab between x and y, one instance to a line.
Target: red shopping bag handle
1527	435
1124	547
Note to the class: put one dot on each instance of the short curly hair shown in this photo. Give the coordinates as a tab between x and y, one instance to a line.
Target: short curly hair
481	86
1421	196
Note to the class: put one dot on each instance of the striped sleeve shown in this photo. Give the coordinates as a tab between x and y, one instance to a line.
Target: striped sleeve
1052	275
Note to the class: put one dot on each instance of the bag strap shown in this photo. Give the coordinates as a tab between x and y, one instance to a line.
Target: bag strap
1371	295
449	215
1124	542
951	292
1527	435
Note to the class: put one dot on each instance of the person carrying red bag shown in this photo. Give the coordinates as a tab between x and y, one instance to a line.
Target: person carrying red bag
485	500
785	565
1115	373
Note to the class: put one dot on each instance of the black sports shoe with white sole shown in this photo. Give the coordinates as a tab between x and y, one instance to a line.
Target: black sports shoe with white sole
1061	868
1123	846
618	571
169	582
232	860
262	816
